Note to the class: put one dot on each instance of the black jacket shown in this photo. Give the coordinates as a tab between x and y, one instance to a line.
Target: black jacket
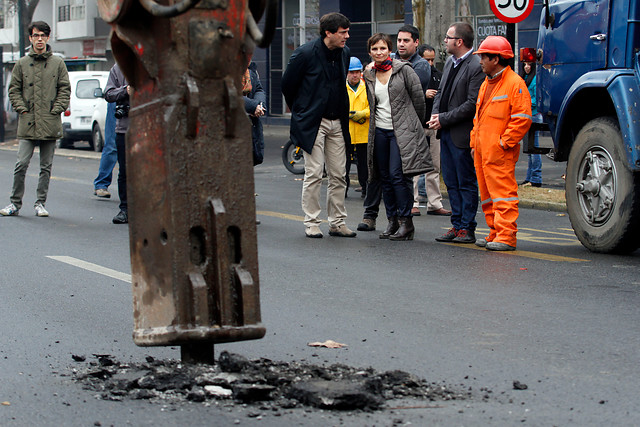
462	99
251	102
116	91
304	88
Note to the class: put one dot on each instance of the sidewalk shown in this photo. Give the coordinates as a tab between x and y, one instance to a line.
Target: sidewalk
549	197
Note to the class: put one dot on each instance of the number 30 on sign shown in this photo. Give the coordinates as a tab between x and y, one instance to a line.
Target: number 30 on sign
511	11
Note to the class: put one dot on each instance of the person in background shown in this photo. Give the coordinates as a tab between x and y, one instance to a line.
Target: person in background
313	86
534	165
429	183
452	115
39	92
255	100
109	155
397	148
503	118
118	91
358	122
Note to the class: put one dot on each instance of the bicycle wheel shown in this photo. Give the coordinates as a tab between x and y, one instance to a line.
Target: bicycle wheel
292	158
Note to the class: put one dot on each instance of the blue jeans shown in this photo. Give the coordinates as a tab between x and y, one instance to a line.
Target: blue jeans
109	155
534	166
459	175
397	188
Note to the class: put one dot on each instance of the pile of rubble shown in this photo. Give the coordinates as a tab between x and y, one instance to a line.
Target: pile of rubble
278	385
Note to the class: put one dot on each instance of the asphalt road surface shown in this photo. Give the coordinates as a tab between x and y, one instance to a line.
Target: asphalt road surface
551	315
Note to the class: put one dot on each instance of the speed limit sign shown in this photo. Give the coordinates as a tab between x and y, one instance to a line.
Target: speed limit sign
511	11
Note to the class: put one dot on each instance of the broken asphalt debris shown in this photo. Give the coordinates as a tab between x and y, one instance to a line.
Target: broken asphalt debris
517	385
280	385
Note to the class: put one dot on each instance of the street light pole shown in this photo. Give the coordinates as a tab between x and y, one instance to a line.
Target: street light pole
21	41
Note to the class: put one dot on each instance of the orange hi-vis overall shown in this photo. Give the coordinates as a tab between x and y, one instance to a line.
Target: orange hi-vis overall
503	118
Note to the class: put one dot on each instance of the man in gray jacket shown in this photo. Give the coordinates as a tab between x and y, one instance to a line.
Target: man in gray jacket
452	116
118	91
39	92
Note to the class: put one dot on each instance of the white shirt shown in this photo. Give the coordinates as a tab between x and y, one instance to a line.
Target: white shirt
383	106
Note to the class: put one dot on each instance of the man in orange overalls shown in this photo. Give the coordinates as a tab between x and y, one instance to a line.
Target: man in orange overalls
503	117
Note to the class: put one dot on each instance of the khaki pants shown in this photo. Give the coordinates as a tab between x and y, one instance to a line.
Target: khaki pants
25	152
431	179
328	150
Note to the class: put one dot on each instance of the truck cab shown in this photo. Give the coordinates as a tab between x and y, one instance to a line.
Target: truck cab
588	91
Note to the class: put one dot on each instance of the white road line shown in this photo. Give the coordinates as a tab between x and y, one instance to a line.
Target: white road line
93	267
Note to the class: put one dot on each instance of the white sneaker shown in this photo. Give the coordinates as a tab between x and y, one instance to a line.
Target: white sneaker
40	210
9	210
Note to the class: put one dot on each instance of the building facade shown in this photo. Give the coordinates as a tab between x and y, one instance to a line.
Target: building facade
76	29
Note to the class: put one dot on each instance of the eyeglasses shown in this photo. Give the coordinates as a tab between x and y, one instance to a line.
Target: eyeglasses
39	36
447	37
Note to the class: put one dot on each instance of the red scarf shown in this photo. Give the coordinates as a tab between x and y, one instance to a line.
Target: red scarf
384	65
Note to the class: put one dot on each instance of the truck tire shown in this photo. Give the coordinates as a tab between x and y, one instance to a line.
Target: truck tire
602	193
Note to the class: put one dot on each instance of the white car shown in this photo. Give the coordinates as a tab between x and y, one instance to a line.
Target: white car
98	120
77	122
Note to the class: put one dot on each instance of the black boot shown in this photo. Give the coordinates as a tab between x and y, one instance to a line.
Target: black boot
406	229
391	228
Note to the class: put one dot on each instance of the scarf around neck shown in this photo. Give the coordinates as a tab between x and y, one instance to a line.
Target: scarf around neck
384	66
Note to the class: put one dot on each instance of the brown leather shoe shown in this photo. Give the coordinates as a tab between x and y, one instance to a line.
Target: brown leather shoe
415	212
405	230
391	228
440	212
367	224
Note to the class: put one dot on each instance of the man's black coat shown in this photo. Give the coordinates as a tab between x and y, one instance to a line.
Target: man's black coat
304	85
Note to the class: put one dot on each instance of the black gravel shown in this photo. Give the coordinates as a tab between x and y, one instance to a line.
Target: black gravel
265	383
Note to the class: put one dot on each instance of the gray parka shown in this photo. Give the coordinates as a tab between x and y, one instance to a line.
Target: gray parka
408	111
40	89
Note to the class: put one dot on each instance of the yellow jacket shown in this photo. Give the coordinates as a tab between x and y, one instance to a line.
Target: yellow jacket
358	102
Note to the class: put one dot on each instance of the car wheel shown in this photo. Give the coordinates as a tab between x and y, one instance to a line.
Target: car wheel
603	195
97	143
64	143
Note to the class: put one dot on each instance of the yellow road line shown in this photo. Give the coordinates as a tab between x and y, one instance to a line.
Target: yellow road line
283	216
93	267
525	254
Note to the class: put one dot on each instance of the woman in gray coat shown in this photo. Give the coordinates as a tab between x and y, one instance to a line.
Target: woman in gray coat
398	147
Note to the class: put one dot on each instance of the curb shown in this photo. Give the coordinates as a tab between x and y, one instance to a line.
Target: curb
59	151
531	204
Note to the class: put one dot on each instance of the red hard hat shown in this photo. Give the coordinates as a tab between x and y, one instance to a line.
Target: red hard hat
497	45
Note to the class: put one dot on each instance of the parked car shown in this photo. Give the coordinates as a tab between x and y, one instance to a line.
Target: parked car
98	120
77	122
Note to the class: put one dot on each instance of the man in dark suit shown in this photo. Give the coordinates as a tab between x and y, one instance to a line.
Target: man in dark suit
314	88
452	116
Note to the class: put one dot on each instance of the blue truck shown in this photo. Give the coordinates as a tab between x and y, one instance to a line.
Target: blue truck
588	91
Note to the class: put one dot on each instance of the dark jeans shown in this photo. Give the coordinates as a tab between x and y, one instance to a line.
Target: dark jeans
397	188
360	151
122	175
459	175
372	199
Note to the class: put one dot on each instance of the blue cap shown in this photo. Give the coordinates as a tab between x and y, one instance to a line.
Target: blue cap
355	64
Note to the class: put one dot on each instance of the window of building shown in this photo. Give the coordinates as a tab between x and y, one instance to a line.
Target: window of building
7	12
70	10
300	23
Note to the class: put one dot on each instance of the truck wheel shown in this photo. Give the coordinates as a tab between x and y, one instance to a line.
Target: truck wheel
602	193
97	142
